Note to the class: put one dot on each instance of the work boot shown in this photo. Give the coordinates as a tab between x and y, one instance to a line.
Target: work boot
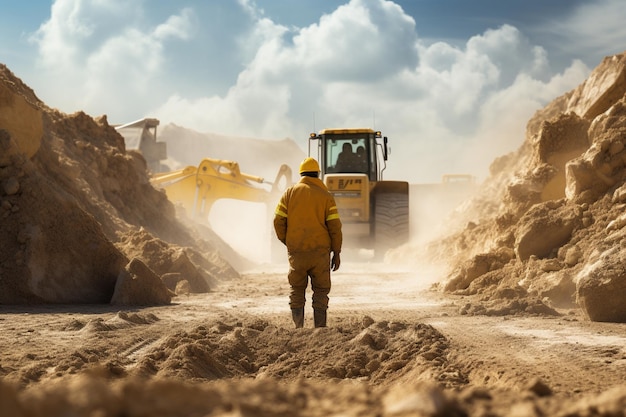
298	317
319	317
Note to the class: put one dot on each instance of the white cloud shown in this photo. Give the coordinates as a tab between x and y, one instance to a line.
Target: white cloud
67	36
177	26
94	55
594	29
321	71
361	65
363	40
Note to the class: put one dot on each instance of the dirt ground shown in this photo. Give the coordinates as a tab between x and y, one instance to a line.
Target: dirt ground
393	347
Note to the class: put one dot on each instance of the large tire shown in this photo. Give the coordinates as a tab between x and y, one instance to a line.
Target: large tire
391	222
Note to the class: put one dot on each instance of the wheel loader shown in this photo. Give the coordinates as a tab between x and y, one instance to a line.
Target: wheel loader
374	212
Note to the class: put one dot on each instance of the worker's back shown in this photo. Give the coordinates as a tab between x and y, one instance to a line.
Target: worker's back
307	207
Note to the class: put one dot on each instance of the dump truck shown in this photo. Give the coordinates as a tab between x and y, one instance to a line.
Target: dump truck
141	135
374	212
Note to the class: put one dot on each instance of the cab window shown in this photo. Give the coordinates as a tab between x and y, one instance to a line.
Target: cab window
346	155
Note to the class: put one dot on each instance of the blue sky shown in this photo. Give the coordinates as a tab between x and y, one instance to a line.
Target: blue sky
451	82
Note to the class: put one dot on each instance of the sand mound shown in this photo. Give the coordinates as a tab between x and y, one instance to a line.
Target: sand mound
549	218
380	352
91	393
70	197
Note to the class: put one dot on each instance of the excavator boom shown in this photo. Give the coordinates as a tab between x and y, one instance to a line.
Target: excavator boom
198	188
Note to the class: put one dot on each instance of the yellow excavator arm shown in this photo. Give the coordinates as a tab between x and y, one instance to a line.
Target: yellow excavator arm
197	188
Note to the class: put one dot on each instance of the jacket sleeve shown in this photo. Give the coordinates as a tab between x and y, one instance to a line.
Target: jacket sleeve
333	223
280	220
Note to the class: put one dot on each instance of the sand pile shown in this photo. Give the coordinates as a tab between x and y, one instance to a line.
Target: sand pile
89	395
380	352
71	196
547	226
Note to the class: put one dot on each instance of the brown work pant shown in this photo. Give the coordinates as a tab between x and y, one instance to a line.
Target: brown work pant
302	265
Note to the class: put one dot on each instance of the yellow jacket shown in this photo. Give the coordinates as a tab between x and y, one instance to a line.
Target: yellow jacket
306	218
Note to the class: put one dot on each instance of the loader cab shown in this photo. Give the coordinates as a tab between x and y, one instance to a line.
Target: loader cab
351	151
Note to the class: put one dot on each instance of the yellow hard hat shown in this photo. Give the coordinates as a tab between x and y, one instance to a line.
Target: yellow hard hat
309	165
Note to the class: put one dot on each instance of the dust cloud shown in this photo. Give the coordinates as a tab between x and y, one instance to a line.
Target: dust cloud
246	226
258	157
433	206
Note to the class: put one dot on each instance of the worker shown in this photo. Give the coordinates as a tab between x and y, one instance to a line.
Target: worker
346	159
306	220
361	159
